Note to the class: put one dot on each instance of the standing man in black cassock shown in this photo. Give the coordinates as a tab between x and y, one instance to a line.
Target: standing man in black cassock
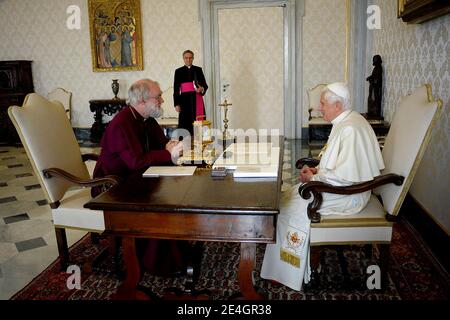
189	87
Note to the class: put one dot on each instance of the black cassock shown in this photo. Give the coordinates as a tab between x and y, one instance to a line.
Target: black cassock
187	100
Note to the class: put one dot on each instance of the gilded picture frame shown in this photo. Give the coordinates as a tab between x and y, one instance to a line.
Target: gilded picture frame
400	8
419	11
116	35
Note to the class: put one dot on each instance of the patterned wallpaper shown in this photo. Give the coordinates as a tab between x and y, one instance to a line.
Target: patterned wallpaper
251	59
324	45
36	30
413	55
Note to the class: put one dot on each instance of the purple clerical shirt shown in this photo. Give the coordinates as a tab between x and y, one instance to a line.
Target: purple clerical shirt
130	144
123	145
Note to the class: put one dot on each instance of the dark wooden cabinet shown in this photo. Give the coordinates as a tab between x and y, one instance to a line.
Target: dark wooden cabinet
16	81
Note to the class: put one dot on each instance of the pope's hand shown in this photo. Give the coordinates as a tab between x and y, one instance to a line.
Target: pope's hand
306	173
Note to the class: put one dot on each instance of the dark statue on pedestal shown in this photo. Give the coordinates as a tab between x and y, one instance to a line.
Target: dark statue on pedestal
375	90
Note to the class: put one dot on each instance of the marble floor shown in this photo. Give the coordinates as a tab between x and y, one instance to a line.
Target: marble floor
27	237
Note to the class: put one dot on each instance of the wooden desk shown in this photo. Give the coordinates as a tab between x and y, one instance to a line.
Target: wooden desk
192	208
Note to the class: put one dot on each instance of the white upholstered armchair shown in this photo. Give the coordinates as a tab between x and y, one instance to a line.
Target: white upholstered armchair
314	101
404	148
63	96
55	157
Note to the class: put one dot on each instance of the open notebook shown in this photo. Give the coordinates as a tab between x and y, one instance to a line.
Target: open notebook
169	171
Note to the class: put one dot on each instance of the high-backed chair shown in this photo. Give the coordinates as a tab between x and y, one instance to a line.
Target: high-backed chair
63	96
314	101
55	157
404	148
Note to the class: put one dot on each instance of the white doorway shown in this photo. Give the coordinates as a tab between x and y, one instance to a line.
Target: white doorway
250	66
250	51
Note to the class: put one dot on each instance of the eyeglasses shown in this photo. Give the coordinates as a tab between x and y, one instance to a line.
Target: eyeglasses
157	98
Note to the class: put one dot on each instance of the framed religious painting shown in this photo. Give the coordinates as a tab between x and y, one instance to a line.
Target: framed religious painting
419	11
400	8
116	35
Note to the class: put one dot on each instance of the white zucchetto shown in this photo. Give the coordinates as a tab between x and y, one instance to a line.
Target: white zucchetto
340	89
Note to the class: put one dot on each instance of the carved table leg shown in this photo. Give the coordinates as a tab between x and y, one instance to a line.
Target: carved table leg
128	289
246	265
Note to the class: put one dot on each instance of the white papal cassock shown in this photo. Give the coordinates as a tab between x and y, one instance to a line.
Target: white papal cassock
352	156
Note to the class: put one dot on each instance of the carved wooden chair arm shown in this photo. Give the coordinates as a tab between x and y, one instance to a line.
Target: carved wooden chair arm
107	180
315	188
89	156
310	162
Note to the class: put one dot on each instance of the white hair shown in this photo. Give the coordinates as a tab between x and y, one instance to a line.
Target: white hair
332	97
140	91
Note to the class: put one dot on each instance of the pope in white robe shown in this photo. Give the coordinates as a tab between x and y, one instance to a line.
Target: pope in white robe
352	155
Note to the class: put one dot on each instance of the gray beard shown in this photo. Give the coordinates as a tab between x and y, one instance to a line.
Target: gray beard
157	112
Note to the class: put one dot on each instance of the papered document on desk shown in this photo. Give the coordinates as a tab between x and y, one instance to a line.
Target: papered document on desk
169	171
250	147
250	160
256	172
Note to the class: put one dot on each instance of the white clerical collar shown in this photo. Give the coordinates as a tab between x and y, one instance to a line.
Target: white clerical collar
341	117
189	66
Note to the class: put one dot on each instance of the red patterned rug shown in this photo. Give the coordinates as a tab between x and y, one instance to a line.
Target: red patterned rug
414	274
